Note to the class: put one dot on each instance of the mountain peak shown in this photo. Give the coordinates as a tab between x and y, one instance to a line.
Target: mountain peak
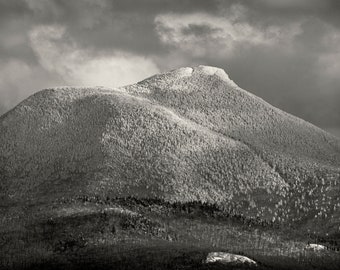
187	72
179	77
203	70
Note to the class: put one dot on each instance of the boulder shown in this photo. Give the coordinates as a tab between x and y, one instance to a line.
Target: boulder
228	258
315	247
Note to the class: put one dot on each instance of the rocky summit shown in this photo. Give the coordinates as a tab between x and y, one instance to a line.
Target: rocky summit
190	134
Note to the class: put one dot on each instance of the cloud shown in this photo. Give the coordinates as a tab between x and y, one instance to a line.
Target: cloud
297	4
58	53
126	25
327	49
202	34
18	80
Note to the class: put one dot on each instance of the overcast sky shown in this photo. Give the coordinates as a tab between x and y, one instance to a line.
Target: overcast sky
285	51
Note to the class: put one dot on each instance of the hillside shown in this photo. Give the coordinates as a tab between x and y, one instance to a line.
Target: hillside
187	135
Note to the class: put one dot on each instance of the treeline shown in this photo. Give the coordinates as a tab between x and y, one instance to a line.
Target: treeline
194	209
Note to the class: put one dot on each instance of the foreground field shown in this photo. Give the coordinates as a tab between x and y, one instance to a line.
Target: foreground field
94	233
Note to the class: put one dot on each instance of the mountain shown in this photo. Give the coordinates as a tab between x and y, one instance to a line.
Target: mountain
190	134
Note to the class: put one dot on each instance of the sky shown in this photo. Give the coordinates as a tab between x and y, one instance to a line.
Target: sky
285	51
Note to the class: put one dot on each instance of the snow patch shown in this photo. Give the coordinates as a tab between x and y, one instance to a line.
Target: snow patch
209	70
214	71
179	73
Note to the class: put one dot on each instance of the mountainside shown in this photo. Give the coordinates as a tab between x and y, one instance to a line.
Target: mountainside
187	135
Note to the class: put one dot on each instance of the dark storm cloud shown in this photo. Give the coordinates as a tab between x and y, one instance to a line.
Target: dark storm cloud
123	24
285	51
199	30
103	24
